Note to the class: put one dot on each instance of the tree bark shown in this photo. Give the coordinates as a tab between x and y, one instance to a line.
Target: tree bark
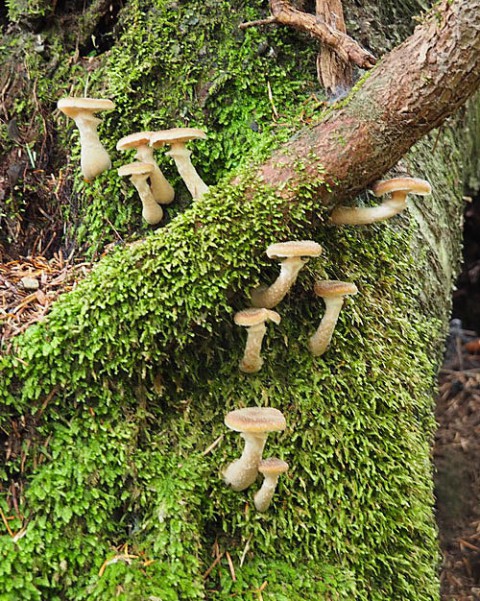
413	90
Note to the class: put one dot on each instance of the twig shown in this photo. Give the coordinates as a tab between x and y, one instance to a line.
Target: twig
347	49
230	565
213	445
216	562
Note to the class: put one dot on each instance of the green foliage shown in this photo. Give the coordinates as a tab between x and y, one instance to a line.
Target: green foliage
124	387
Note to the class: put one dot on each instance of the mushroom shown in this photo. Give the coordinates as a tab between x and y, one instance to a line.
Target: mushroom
177	138
254	319
162	191
93	157
271	469
139	173
399	187
254	423
293	256
333	292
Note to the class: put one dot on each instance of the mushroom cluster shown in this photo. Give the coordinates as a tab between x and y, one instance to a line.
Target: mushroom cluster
254	425
152	186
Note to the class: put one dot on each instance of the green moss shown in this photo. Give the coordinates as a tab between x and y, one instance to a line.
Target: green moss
122	390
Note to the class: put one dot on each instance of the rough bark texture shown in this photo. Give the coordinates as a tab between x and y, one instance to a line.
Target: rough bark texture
413	90
113	407
334	73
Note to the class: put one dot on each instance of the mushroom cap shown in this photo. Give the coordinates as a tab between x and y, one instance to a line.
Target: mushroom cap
297	248
334	288
405	184
256	419
141	138
72	106
272	466
136	168
255	316
176	134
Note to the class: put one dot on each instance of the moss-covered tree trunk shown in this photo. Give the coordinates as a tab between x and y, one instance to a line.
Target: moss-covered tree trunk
113	407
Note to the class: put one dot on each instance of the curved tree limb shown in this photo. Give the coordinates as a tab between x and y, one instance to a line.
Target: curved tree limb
414	89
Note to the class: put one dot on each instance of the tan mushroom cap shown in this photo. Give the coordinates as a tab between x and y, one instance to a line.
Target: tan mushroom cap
254	317
332	288
136	168
176	134
256	419
405	184
298	248
273	466
141	138
71	106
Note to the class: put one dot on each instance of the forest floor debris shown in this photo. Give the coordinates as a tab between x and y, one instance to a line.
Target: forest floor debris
29	286
457	463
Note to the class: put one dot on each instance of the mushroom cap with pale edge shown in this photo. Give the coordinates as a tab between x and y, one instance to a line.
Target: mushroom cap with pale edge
256	419
176	134
298	248
136	168
332	288
254	317
405	184
141	138
72	106
272	466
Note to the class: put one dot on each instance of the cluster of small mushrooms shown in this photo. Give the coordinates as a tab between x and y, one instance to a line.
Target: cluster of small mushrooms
145	174
255	423
154	190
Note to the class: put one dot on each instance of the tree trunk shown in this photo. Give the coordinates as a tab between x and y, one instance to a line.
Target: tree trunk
113	407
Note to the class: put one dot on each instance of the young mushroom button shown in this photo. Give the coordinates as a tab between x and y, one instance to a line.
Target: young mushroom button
333	293
271	469
293	256
254	423
177	138
93	157
254	320
139	173
162	191
398	187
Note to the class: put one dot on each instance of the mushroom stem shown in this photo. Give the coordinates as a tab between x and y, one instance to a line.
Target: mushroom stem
319	342
151	211
252	361
366	215
162	190
263	497
93	157
181	155
240	474
269	297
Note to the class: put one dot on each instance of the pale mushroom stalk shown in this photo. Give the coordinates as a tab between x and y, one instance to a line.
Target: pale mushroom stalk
366	215
254	319
320	341
270	296
271	469
94	159
152	212
251	360
181	155
398	187
242	473
292	255
139	173
333	293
